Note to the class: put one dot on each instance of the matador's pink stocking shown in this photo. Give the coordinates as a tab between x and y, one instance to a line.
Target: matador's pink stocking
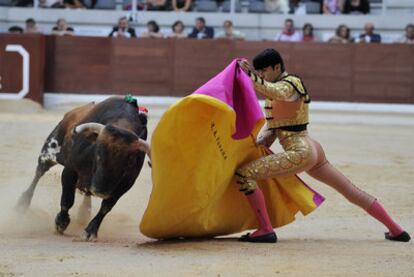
258	204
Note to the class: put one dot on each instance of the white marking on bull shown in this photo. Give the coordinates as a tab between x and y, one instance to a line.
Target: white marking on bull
51	151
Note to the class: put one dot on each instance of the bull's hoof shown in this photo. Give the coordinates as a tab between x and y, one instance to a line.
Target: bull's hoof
86	237
62	222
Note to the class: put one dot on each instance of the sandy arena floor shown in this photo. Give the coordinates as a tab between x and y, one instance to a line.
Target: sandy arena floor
336	240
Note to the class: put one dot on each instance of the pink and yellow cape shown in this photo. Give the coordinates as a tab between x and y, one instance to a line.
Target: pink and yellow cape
198	144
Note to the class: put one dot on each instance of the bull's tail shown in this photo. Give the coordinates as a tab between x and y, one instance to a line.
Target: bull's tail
26	197
47	158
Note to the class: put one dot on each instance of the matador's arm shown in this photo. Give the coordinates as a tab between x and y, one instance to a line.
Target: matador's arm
281	90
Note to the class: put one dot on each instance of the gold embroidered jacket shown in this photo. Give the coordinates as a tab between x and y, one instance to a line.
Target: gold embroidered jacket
280	111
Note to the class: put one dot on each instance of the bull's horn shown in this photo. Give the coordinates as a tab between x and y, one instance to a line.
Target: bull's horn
96	127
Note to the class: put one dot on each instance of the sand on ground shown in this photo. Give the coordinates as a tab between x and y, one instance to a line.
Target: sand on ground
375	150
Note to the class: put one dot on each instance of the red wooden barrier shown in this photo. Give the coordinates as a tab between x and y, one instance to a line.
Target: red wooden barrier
22	63
168	67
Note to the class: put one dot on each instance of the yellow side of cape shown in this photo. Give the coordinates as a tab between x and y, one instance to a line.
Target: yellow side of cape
194	192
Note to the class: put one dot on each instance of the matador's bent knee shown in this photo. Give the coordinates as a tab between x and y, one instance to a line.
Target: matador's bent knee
246	182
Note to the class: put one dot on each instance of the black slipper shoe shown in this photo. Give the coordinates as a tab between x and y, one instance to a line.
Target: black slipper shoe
404	237
267	238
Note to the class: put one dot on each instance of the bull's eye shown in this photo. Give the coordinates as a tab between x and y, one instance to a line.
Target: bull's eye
53	145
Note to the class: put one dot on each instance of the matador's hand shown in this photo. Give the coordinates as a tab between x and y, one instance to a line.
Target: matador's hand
266	138
245	66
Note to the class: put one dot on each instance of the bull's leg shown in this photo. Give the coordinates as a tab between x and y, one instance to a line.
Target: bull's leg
84	212
69	179
91	232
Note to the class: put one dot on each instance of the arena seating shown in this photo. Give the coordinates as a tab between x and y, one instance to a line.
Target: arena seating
251	18
6	3
256	6
103	4
226	6
206	6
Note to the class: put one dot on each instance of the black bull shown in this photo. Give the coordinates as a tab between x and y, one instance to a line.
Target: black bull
102	148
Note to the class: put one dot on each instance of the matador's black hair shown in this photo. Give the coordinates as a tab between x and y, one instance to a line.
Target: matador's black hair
269	57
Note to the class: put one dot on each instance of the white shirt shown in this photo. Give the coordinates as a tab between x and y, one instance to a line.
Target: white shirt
284	37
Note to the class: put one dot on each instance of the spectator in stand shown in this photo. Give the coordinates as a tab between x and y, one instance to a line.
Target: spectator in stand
22	3
15	30
356	7
62	28
158	5
308	33
182	5
74	4
201	31
369	36
123	30
332	6
177	30
342	35
56	4
31	26
293	5
297	7
128	6
153	30
229	32
51	3
409	35
289	33
277	6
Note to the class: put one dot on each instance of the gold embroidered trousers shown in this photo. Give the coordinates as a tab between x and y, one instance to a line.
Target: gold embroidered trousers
301	154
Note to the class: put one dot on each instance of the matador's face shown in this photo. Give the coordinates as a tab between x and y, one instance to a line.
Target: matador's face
270	73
